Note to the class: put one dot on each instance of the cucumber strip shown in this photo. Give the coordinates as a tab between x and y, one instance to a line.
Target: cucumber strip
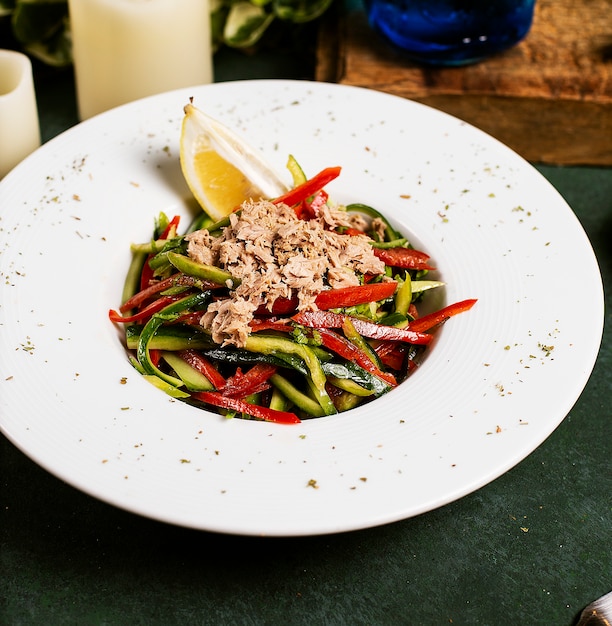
346	401
350	386
136	365
422	285
150	328
235	356
299	399
267	344
131	284
171	390
399	320
278	401
194	380
356	373
175	337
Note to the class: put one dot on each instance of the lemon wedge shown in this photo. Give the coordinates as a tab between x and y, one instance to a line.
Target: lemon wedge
221	169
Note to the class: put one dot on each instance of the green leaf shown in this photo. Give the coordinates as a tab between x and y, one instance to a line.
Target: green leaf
38	21
6	7
245	24
41	26
56	51
300	11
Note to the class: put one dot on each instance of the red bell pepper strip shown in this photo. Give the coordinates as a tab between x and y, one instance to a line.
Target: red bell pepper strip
310	207
326	319
257	325
254	381
200	363
155	356
173	281
433	319
349	351
143	314
281	306
405	258
138	298
191	318
309	188
261	412
351	296
391	354
171	228
337	298
146	275
353	232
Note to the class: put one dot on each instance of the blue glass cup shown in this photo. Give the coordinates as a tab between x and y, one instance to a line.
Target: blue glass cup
451	32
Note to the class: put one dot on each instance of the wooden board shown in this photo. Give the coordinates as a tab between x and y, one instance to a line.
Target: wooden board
549	98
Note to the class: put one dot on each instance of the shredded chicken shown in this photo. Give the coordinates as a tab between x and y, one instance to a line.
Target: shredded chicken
275	254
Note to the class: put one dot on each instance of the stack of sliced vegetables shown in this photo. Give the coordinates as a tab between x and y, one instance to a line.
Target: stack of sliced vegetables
360	343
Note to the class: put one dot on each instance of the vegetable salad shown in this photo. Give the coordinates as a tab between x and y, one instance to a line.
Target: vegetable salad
288	309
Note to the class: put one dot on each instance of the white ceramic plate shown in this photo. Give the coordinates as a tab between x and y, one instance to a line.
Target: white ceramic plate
497	382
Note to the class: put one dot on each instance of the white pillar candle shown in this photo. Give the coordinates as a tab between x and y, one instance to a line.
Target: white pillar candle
124	50
19	127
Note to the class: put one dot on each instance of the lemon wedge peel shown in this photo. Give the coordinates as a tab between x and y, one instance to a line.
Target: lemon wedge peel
220	168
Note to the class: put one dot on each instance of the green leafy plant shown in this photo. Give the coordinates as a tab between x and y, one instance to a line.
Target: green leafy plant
42	27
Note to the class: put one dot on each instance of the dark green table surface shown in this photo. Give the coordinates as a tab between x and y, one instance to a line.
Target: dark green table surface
533	547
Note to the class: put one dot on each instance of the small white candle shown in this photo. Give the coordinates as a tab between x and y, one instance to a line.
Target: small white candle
19	127
124	50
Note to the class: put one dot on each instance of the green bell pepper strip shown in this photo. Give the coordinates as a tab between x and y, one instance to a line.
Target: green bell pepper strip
390	232
200	270
403	298
296	171
348	328
167	314
396	243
